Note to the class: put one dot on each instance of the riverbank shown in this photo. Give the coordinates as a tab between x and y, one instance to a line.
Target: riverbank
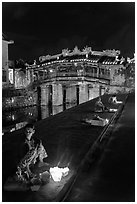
112	179
65	138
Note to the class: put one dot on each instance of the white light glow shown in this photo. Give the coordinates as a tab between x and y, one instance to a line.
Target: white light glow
112	109
57	173
13	117
12	100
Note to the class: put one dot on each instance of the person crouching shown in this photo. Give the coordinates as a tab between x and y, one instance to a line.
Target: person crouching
32	150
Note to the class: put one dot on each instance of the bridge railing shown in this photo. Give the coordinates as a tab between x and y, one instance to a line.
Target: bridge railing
73	74
90	74
66	74
104	76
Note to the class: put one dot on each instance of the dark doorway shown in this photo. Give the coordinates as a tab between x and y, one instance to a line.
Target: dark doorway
77	94
64	98
39	95
50	95
100	89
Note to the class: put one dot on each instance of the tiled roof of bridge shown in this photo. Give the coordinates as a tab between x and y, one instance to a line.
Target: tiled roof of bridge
48	60
87	54
92	58
105	59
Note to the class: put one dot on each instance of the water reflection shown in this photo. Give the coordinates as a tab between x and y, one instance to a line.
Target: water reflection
16	119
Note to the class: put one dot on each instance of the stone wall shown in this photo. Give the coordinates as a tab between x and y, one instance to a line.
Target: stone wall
71	95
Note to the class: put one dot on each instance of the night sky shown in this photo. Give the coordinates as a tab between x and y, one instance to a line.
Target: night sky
48	27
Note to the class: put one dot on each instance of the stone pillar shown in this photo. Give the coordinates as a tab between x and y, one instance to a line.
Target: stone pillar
44	94
57	94
71	96
98	72
95	91
83	93
90	89
102	90
77	93
57	109
44	112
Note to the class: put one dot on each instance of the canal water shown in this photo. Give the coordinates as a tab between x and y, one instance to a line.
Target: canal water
18	118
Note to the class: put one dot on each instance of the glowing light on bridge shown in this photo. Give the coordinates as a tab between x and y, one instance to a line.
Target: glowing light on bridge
51	70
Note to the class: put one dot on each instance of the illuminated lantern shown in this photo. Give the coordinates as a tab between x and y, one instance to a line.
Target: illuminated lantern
57	173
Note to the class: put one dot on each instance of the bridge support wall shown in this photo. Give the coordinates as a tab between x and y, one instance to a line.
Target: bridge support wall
57	94
102	90
45	112
45	95
90	91
83	93
71	95
94	92
57	109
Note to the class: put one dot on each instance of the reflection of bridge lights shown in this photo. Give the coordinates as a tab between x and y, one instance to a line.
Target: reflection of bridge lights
7	101
20	125
13	117
13	129
8	117
12	100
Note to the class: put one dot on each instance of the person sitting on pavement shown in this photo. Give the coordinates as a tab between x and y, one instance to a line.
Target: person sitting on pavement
113	99
99	106
97	117
32	151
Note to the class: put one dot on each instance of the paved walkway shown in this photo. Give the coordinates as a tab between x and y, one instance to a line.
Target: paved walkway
65	138
113	177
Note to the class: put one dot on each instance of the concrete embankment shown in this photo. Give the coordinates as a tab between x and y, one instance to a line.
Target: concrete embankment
112	179
65	137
